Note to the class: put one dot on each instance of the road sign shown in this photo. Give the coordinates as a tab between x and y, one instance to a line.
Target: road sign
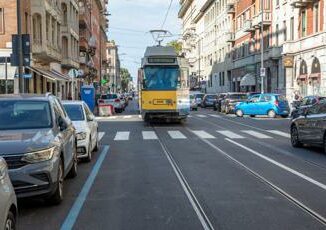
262	72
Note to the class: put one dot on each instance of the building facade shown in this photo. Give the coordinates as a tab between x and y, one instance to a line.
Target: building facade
222	40
113	68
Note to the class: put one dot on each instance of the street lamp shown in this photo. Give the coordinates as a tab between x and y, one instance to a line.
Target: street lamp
262	70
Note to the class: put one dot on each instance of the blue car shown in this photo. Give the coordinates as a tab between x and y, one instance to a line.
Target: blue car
268	104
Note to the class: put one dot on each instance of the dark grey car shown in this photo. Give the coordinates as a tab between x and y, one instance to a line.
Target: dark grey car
309	127
38	142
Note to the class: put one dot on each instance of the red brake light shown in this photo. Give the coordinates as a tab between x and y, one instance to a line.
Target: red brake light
276	103
117	100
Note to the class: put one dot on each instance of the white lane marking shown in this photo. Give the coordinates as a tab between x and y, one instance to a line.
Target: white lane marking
214	115
176	135
280	133
256	134
149	135
201	115
100	135
122	136
189	115
203	134
139	116
113	117
230	134
291	198
127	117
286	168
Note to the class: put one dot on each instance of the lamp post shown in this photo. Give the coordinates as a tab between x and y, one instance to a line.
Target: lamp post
262	70
20	50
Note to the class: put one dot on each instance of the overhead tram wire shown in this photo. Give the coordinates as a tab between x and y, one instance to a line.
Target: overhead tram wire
167	14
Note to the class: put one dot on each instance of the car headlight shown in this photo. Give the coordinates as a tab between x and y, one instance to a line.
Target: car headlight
81	136
39	156
3	168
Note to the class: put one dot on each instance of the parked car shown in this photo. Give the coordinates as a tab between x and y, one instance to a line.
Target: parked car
220	98
112	99
8	201
199	97
38	142
208	100
86	128
310	126
230	100
193	103
306	102
264	104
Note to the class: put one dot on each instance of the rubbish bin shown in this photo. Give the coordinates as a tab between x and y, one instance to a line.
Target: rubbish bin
88	96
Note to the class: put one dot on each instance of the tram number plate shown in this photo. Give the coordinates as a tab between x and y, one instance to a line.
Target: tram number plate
161	102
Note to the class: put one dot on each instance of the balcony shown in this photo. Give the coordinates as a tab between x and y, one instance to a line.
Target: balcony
256	21
45	52
306	43
230	37
230	9
247	26
69	62
184	7
301	3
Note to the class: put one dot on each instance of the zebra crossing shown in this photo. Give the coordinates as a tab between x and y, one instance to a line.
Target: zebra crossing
183	135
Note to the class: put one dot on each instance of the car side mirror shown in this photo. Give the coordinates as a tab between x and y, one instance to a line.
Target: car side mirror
90	118
62	124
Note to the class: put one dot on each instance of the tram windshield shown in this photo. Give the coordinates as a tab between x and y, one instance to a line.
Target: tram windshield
161	77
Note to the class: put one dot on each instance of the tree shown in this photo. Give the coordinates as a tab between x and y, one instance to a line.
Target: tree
125	79
176	45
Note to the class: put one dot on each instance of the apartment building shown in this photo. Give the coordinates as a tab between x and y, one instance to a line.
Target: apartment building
8	27
113	68
304	48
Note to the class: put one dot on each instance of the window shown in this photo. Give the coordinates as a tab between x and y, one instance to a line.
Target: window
303	23
292	28
161	77
316	17
276	35
2	21
285	32
277	2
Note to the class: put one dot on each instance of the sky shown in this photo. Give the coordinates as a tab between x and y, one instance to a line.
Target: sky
130	23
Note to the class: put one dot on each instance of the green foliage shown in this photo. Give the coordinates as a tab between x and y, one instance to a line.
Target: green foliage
125	79
176	45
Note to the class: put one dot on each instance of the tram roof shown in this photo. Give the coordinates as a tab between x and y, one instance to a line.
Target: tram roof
160	51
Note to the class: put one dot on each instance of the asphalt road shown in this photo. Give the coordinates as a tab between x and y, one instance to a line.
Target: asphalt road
212	172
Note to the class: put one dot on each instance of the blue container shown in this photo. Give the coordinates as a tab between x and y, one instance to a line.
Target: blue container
88	96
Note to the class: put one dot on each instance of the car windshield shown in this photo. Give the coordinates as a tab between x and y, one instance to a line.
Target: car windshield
238	96
161	77
201	96
24	114
211	96
75	112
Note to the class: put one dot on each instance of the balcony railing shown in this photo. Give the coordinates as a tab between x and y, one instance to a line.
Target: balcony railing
230	37
256	21
247	26
301	3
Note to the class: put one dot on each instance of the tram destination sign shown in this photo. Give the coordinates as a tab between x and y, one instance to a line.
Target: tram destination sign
161	60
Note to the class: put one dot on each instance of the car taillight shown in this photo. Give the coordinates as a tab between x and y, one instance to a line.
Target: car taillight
117	100
276	103
100	101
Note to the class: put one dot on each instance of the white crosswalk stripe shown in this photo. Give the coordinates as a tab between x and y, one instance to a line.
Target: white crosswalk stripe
101	135
280	133
149	135
256	134
127	117
230	134
203	134
190	116
176	135
201	115
214	115
122	136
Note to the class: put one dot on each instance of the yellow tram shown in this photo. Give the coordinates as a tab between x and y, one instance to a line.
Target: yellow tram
163	85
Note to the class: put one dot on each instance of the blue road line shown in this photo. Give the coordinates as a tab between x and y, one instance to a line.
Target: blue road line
79	202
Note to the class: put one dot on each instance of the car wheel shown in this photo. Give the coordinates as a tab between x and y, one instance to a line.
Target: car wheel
215	109
324	143
285	116
89	154
239	113
227	111
57	196
295	141
10	222
252	115
271	113
97	144
73	171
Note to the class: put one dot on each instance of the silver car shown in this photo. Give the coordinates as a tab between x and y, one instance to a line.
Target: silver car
8	201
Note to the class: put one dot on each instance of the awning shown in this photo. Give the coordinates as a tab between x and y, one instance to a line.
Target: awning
302	77
51	75
248	80
11	71
315	75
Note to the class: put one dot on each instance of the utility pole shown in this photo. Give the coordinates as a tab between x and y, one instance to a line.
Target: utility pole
20	50
262	73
